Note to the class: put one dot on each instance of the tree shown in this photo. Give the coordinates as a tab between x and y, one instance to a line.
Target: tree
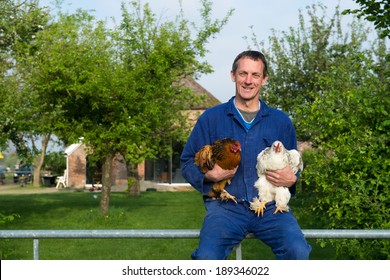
19	22
335	86
120	90
72	74
20	120
154	57
376	11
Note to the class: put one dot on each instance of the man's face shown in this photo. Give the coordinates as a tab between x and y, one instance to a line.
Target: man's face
248	78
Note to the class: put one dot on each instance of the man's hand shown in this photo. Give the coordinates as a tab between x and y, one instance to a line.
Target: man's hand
218	174
281	178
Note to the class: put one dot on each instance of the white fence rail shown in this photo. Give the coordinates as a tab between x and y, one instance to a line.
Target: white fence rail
172	234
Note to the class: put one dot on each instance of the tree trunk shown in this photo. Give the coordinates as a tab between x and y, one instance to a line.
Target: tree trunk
107	183
40	159
133	181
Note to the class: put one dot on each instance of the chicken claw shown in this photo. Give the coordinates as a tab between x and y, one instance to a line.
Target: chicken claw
225	196
258	206
280	209
261	208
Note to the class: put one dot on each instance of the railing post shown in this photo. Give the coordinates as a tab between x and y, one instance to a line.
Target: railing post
239	252
36	249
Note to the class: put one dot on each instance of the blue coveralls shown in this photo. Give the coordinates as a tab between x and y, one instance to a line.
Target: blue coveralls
226	223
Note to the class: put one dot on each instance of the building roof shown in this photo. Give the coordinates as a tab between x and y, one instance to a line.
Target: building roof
70	149
209	101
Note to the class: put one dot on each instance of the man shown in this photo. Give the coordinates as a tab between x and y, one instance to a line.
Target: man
256	126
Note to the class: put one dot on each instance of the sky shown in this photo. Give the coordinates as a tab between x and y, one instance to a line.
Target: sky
262	15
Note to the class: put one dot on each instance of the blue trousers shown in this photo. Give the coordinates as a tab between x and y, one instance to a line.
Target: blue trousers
226	224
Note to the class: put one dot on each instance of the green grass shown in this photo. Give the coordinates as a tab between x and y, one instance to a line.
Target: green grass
80	210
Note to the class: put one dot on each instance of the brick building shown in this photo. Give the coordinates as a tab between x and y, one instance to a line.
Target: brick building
76	165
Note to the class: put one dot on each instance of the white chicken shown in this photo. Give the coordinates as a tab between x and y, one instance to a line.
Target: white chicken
274	158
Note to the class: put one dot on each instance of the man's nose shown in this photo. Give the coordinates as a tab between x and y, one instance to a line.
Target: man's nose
248	79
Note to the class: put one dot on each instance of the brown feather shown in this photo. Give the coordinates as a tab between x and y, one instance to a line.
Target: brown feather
226	153
203	159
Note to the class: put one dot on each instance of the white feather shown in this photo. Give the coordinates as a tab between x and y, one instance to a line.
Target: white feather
274	158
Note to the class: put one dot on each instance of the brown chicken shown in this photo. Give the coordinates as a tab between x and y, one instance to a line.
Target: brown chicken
227	154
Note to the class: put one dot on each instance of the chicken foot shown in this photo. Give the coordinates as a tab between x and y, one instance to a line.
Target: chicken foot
225	196
261	208
281	209
258	206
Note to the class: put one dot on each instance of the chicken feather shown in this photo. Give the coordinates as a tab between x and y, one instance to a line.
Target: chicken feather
274	158
227	154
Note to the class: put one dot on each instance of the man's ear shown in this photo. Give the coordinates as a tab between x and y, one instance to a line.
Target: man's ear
265	80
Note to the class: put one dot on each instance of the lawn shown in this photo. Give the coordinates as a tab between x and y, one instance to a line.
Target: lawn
80	210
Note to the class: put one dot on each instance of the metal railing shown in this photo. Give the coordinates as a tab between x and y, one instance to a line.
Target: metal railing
172	234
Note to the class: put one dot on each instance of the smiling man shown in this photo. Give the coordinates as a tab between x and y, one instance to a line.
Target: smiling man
246	118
